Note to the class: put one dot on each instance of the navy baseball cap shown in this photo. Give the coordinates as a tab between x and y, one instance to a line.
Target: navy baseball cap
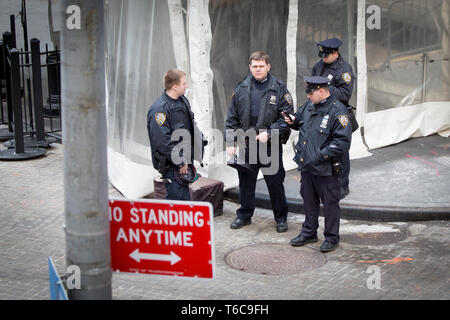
328	46
314	83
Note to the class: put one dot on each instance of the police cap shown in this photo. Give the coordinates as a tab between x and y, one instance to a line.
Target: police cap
314	83
328	46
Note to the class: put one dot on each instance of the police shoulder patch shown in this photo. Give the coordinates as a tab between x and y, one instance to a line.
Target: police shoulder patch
288	98
343	119
347	77
160	118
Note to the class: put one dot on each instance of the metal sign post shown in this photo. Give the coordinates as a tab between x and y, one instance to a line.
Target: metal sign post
84	139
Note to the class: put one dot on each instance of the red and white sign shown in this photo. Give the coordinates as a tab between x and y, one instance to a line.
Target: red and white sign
172	238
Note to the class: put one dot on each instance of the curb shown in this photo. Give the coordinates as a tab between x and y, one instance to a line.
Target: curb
359	211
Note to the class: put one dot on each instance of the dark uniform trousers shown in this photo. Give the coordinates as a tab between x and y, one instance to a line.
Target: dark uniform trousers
247	185
312	189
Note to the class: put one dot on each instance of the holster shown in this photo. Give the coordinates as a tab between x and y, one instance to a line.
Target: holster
336	167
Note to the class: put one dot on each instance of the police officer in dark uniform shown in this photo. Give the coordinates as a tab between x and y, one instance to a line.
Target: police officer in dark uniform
340	74
257	104
324	136
173	159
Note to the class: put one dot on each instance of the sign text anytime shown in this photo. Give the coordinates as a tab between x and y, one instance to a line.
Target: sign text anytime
164	217
154	236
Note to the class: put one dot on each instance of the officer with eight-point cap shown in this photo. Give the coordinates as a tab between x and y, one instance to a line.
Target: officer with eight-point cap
324	136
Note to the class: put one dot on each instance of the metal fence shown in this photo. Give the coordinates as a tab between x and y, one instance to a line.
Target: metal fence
23	109
31	122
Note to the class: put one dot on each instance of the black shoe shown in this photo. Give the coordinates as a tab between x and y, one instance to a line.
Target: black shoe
344	192
328	246
282	226
300	240
239	223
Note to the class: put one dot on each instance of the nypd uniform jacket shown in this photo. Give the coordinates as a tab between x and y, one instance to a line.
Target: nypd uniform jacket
341	77
164	117
275	99
325	134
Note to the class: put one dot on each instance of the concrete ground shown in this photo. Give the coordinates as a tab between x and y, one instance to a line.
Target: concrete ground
411	258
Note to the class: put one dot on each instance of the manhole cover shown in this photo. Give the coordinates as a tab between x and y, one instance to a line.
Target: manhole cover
275	259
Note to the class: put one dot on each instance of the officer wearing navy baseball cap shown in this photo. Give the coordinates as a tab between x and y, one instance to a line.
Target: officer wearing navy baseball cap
324	136
341	78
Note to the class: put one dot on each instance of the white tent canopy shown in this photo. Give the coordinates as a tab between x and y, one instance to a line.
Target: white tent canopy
402	69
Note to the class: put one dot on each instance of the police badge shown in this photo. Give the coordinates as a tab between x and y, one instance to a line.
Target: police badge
324	123
160	118
288	98
347	77
273	100
343	119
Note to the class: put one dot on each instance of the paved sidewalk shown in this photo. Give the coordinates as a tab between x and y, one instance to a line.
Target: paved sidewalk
413	257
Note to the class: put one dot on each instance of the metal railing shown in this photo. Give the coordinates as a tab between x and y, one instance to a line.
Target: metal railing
411	37
18	150
41	122
31	123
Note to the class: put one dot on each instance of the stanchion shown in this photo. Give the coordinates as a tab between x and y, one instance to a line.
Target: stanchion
38	140
19	152
2	85
7	133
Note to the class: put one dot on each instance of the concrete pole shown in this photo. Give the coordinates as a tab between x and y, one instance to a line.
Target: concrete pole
84	141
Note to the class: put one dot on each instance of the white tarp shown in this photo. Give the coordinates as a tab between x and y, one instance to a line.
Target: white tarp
139	51
399	124
211	41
